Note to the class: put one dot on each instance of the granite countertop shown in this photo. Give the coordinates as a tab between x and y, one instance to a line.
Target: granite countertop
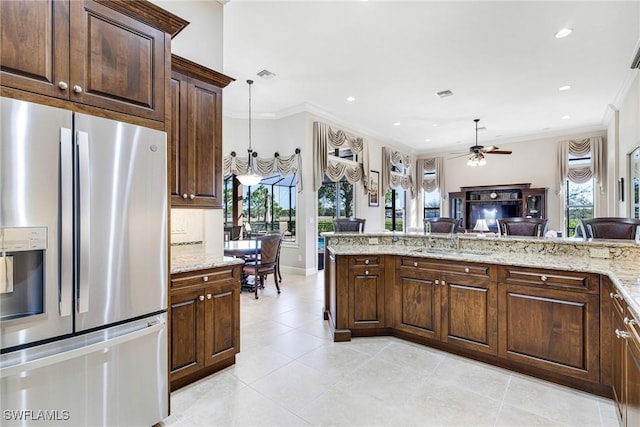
194	257
623	272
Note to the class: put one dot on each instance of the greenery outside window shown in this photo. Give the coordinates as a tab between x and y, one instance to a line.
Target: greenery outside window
335	198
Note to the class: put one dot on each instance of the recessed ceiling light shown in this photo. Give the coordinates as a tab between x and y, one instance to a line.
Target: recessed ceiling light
565	117
396	124
435	125
563	33
428	140
351	99
565	87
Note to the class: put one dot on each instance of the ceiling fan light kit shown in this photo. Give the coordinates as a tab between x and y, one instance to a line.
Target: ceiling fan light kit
477	152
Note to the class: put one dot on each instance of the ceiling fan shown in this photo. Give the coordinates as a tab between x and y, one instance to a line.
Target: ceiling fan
476	152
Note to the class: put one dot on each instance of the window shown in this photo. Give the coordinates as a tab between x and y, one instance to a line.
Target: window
268	206
394	209
335	198
431	198
394	205
579	202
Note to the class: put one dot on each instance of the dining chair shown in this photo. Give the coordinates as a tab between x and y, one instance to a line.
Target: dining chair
610	228
281	234
349	224
520	226
266	262
442	225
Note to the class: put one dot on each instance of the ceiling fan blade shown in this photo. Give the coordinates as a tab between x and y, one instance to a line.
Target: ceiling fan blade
458	156
489	149
498	152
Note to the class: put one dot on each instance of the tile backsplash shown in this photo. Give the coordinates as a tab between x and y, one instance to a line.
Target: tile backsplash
198	226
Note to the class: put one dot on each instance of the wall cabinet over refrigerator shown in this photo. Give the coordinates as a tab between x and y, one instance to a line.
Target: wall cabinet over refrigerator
196	135
106	54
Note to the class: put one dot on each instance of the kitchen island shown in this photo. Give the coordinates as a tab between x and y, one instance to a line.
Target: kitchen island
538	306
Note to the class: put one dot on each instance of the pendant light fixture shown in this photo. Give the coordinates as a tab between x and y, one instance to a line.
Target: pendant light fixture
250	178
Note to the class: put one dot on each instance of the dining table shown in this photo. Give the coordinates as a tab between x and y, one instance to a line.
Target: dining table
241	248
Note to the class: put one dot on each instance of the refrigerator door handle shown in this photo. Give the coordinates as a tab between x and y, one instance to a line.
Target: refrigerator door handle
151	328
65	286
84	192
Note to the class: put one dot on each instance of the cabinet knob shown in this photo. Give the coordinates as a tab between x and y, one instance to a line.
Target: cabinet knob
208	296
366	272
205	278
63	85
622	334
543	278
415	264
184	196
366	261
614	296
629	322
192	196
201	297
443	283
466	269
437	282
77	89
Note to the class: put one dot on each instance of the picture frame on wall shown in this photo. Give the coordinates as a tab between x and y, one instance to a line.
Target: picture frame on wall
374	188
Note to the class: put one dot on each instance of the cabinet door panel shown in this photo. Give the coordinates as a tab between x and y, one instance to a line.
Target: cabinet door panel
470	314
366	293
222	322
34	45
117	62
553	330
187	333
418	306
206	149
178	137
633	382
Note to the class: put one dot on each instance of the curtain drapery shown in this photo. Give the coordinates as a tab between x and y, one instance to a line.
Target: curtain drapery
324	138
283	165
392	179
432	165
580	174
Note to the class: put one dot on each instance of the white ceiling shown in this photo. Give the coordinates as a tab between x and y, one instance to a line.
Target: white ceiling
500	59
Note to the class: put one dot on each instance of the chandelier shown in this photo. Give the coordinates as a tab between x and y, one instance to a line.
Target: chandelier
250	178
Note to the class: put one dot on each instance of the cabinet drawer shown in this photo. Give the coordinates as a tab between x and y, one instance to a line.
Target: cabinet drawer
444	267
366	260
549	278
209	276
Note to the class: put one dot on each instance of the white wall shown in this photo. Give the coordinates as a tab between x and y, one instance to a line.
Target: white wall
201	40
628	131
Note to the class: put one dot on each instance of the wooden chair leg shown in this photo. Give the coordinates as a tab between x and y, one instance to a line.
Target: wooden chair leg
275	279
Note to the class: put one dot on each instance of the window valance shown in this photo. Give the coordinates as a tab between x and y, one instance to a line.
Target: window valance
435	167
393	179
324	138
592	147
283	165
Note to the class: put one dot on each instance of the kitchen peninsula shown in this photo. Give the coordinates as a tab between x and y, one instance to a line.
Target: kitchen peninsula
544	307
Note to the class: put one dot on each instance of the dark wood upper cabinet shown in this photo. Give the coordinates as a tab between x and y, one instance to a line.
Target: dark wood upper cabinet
195	135
106	54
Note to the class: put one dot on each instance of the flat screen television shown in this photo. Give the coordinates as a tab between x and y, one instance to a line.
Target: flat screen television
493	211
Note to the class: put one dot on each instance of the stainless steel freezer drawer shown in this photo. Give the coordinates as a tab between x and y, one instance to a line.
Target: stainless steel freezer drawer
106	378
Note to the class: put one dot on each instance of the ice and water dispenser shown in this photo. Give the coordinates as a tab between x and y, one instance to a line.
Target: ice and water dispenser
22	272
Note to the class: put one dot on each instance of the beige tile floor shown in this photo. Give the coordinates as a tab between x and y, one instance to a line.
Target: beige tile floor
290	373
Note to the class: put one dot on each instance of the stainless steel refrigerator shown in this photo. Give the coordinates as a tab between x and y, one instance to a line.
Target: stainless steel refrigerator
83	269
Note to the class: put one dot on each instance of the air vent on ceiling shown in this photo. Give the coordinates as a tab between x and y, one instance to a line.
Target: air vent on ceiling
444	93
636	61
266	74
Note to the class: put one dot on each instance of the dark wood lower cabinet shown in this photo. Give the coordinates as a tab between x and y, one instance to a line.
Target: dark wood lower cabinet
453	303
205	323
